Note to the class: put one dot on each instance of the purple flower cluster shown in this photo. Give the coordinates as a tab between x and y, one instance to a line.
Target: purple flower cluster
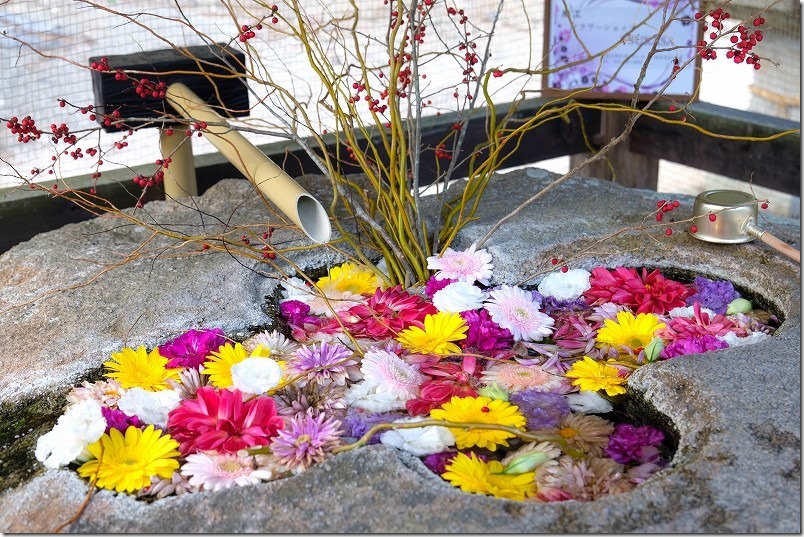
191	348
485	335
541	409
117	419
356	424
629	444
713	294
693	345
552	306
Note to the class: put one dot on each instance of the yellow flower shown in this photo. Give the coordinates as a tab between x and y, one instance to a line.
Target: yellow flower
440	330
592	376
127	463
629	331
141	369
473	475
350	278
480	410
219	365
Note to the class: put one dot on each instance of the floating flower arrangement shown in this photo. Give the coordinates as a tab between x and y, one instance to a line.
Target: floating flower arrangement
500	390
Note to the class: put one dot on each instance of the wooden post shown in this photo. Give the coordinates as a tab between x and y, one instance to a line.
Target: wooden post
619	165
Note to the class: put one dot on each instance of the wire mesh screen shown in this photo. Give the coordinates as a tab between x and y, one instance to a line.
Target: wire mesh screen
33	81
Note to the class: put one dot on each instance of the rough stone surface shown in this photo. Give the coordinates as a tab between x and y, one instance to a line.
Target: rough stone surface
737	412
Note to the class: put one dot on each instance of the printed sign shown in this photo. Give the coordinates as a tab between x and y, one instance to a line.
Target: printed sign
602	45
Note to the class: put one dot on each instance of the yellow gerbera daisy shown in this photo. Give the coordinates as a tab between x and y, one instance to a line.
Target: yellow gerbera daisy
141	369
473	475
219	364
592	376
480	410
440	331
351	278
629	331
127	463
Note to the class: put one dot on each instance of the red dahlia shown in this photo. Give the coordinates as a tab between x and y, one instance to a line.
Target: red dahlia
643	292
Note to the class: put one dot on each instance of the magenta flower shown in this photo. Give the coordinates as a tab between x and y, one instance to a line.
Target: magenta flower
387	313
693	345
219	420
191	348
700	324
484	336
643	292
449	379
630	444
434	285
117	419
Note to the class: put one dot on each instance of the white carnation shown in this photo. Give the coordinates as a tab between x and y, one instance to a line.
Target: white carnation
565	285
150	407
256	375
82	424
588	402
750	339
365	395
420	441
459	296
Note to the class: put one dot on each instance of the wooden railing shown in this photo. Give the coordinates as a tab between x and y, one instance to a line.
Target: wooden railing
775	164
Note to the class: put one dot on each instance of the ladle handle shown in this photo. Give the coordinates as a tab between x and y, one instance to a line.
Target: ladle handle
774	242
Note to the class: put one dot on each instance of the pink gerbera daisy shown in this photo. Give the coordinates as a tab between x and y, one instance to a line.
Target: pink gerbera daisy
218	471
644	292
220	420
387	313
391	374
515	309
469	266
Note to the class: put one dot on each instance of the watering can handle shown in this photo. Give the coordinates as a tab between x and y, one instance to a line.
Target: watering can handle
774	242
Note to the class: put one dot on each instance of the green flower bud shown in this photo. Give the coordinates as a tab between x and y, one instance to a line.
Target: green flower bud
525	463
493	391
654	349
739	305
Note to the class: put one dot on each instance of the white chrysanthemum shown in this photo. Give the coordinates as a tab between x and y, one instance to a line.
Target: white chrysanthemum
322	301
391	374
212	471
459	296
280	346
420	441
256	375
515	309
750	339
588	402
296	289
565	285
365	395
82	424
150	407
469	266
689	311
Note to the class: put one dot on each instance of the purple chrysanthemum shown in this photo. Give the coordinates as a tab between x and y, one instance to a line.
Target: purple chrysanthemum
713	294
629	444
434	285
693	345
541	409
306	441
553	306
117	419
484	335
191	348
356	424
326	363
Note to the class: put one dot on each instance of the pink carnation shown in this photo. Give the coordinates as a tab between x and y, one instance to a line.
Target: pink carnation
387	313
221	421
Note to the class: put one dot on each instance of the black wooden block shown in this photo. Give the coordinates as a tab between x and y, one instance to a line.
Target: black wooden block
208	70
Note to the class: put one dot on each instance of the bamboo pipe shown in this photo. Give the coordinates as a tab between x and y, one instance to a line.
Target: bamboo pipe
180	174
293	200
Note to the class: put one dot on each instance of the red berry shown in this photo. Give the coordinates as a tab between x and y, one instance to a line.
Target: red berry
565	268
659	217
712	217
668	232
676	203
554	261
693	229
764	205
